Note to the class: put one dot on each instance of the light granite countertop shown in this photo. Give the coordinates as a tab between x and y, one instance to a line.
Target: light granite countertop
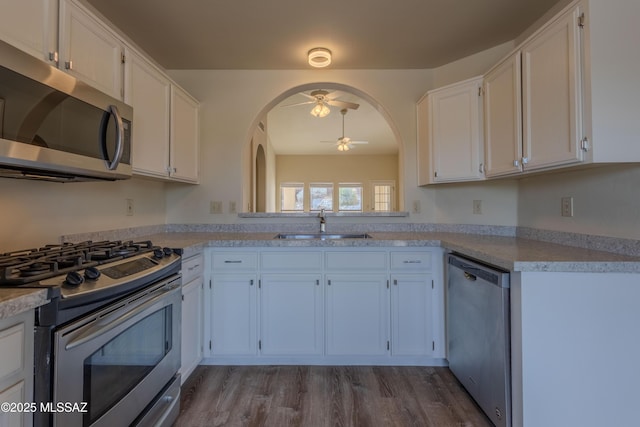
510	253
15	301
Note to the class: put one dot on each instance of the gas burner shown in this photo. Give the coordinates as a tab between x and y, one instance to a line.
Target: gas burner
36	268
36	264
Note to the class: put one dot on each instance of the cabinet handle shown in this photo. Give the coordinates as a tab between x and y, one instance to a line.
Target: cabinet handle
194	267
395	282
412	261
481	168
53	56
516	163
232	261
317	282
329	282
68	65
525	160
251	282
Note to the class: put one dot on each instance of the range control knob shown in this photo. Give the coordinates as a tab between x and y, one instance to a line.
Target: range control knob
167	251
91	273
74	279
158	253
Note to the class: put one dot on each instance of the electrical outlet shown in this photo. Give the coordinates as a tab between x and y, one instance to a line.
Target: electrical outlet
567	206
477	207
232	207
416	207
129	208
215	207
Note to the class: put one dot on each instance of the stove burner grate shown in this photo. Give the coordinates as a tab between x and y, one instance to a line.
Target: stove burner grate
32	265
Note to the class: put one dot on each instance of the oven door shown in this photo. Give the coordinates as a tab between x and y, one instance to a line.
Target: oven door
111	365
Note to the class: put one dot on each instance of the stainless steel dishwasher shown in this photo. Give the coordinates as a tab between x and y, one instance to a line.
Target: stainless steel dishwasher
478	334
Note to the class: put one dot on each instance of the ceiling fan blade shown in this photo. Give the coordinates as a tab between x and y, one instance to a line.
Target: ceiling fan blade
335	94
343	104
299	103
358	142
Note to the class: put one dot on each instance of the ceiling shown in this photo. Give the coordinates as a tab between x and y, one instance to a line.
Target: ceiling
277	34
293	130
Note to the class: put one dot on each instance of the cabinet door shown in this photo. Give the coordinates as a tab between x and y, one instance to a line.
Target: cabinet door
89	50
552	95
455	132
32	26
411	315
185	164
503	118
234	314
291	314
357	318
14	394
192	326
149	92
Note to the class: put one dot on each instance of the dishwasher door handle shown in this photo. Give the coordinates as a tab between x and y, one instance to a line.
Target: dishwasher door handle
469	276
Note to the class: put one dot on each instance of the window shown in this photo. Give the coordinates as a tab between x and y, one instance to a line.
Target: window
350	197
383	196
291	197
320	196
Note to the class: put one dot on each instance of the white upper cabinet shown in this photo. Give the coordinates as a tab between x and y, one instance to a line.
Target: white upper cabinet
453	133
184	146
149	92
552	94
612	88
533	102
89	50
503	118
32	26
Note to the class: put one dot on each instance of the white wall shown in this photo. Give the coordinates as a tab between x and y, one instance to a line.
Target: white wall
233	100
605	201
36	213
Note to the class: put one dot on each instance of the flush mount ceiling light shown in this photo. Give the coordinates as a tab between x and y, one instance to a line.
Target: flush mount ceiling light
319	57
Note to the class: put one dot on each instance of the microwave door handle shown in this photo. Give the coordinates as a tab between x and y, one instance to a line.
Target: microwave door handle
112	165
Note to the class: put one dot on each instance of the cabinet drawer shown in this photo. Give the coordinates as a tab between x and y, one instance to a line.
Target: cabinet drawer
12	343
409	261
291	260
234	261
192	267
367	261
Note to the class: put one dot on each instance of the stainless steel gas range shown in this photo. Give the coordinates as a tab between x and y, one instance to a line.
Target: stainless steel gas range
108	344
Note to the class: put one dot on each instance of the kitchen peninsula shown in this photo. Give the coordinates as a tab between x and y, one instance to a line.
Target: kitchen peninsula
563	297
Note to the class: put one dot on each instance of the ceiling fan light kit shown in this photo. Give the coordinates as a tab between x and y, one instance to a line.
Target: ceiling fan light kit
320	110
319	57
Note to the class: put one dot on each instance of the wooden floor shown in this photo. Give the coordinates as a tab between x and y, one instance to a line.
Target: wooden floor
335	396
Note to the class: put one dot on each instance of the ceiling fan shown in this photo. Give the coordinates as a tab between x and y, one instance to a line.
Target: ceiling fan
322	100
345	143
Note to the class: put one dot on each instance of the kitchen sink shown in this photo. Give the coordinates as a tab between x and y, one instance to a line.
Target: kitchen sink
322	236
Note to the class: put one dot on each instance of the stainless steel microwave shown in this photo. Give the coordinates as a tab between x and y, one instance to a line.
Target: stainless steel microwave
55	127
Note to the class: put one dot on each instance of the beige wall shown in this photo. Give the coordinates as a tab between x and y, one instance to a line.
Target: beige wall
336	169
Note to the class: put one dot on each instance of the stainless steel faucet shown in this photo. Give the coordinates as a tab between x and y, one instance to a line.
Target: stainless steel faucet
323	221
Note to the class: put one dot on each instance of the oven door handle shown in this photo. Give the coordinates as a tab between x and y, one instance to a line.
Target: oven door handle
116	318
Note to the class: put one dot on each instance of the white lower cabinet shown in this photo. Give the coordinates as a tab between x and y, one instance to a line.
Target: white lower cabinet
192	331
291	314
357	315
325	306
411	320
16	367
234	314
